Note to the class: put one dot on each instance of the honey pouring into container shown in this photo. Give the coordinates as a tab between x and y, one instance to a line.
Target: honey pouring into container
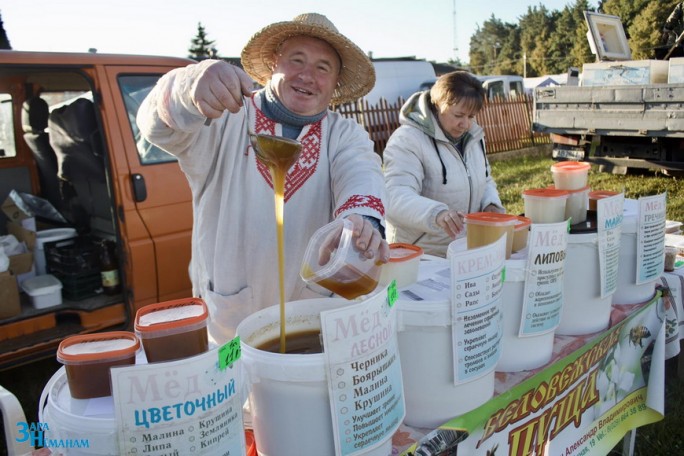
278	154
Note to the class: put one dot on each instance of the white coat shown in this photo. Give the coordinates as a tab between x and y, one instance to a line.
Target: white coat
234	265
425	174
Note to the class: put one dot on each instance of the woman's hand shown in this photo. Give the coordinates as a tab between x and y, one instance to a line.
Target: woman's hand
451	222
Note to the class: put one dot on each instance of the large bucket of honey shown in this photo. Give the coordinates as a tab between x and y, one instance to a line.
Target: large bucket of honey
288	397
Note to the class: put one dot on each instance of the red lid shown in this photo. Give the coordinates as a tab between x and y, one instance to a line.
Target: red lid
95	347
599	194
583	189
522	222
403	252
570	167
546	193
174	324
491	218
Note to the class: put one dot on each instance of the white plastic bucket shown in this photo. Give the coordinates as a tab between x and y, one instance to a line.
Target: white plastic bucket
427	365
67	421
628	292
45	236
288	396
519	353
584	310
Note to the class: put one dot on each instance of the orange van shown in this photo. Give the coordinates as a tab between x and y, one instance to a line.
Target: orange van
68	136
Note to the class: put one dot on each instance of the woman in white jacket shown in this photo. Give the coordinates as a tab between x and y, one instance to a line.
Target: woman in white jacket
436	167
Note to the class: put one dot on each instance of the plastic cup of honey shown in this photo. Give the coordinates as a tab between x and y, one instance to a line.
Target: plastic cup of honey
545	205
576	205
484	228
333	262
173	329
521	233
570	175
88	358
596	195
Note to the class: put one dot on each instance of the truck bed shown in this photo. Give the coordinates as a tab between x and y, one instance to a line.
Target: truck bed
642	110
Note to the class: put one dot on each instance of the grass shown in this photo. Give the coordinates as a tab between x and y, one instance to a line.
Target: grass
514	175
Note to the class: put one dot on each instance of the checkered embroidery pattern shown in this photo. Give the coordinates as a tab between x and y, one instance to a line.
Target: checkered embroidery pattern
304	167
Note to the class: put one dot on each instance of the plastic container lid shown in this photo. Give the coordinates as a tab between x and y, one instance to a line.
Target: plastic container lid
552	193
173	317
522	222
41	285
599	194
400	252
491	219
571	192
570	167
98	347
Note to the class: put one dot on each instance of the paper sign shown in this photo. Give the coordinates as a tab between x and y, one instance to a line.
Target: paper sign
477	322
544	274
650	239
189	406
364	374
609	218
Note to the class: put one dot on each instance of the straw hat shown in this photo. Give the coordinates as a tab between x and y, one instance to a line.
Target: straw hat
357	76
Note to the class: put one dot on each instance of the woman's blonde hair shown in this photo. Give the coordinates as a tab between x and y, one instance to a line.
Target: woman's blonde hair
455	87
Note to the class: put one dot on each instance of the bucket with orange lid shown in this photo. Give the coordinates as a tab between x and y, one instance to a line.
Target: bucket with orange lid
484	228
570	175
88	358
173	329
403	264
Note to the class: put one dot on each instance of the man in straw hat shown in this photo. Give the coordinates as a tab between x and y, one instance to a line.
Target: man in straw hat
195	113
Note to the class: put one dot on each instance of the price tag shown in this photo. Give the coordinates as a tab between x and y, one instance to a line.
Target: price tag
392	293
229	353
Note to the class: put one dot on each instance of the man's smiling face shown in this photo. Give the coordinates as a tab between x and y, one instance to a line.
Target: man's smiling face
305	74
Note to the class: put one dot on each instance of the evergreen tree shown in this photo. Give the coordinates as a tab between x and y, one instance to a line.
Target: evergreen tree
4	41
487	43
536	26
202	48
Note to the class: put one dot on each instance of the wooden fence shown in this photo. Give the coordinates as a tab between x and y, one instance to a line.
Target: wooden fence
507	122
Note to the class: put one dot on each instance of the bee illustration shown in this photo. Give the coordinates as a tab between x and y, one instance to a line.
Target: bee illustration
638	334
492	452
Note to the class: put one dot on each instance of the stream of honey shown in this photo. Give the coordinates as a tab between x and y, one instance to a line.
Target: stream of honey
279	154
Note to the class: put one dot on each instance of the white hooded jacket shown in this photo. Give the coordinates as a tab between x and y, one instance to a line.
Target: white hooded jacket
425	174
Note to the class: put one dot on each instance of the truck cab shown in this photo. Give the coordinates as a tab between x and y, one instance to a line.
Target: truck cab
504	86
68	137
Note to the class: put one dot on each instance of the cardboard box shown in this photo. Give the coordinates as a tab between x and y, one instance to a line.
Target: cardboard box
9	296
675	75
25	235
21	266
629	72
